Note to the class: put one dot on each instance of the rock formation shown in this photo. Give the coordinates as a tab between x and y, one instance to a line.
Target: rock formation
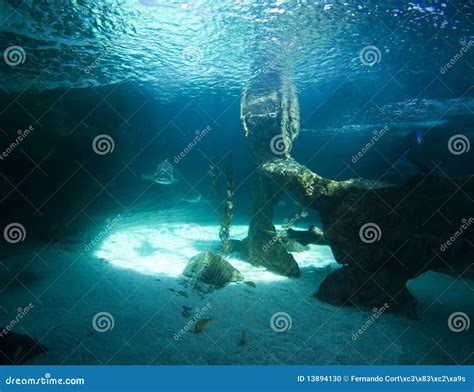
382	234
270	120
210	268
313	235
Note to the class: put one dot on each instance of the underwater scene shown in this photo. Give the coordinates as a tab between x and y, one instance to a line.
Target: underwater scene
268	182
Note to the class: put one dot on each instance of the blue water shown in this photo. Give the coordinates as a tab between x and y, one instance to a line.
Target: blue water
153	73
115	92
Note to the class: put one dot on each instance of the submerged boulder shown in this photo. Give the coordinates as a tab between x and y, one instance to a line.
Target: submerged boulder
211	268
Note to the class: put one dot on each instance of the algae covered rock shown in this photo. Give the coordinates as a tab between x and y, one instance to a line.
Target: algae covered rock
211	268
375	235
269	114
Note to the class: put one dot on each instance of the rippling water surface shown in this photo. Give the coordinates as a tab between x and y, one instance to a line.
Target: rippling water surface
214	47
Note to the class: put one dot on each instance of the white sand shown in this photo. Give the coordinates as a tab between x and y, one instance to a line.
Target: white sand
145	296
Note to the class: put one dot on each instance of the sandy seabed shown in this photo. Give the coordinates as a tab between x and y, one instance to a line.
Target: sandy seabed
130	284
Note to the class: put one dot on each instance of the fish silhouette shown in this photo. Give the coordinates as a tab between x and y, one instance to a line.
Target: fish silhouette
163	174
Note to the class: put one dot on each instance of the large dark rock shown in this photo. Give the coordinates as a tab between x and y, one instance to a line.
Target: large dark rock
382	234
385	235
210	268
262	246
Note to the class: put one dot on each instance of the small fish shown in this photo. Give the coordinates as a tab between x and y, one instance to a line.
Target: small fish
160	180
250	284
419	137
199	327
193	200
163	174
186	311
